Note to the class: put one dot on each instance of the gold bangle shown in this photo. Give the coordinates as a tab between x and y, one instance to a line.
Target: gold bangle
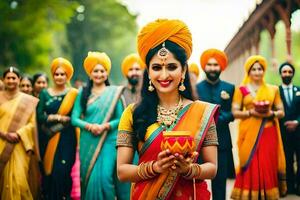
194	172
145	170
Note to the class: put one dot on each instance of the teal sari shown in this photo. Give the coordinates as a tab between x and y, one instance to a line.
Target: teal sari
98	153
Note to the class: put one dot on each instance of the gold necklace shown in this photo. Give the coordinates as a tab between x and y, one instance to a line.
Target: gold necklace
166	116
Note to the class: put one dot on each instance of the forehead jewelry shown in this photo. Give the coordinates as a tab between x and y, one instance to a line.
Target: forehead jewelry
11	69
163	53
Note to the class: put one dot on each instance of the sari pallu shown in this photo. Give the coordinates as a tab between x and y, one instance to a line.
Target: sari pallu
98	153
17	115
261	172
196	118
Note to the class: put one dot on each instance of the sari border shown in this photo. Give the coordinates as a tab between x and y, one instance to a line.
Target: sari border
261	129
173	177
119	91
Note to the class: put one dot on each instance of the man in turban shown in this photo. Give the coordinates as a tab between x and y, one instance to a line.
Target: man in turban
214	90
132	69
289	125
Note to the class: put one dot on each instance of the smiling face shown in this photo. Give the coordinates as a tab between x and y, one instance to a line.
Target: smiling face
99	74
256	72
60	77
26	86
11	81
166	74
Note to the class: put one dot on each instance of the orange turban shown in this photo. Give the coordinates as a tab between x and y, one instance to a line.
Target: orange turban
193	67
63	63
220	56
250	62
130	60
157	32
95	58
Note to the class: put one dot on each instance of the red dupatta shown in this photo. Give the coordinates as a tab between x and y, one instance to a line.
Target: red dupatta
195	118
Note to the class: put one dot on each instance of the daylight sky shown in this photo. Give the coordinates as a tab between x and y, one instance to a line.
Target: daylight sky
212	22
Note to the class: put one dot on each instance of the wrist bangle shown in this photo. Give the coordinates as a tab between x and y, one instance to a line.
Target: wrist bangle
145	170
248	113
194	172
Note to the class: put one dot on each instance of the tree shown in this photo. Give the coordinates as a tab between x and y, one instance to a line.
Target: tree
29	30
104	26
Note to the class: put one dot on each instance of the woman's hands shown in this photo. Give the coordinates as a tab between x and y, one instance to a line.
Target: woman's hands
254	113
182	165
97	129
164	161
12	137
167	161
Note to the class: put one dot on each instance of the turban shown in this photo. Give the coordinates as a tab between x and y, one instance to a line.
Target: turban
157	32
63	63
249	63
129	61
220	56
95	58
193	67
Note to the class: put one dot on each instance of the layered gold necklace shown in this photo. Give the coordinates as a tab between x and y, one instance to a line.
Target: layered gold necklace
167	117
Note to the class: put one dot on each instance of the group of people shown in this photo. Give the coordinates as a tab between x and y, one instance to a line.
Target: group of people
104	141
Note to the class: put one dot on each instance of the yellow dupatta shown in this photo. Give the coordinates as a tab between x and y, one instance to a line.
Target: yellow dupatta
65	108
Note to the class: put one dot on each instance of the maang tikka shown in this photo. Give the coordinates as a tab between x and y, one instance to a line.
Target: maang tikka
163	53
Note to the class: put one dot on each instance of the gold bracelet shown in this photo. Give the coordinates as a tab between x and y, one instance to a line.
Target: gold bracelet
194	172
145	170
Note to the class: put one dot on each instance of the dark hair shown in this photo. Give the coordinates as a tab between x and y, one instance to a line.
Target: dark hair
86	92
145	112
12	69
288	64
28	77
38	75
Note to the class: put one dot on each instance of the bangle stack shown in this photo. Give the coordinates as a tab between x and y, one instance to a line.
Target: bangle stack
194	172
145	170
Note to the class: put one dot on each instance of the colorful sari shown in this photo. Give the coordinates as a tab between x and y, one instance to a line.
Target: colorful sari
17	115
261	172
196	118
98	153
58	146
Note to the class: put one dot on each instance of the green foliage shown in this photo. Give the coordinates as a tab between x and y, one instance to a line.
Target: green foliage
104	26
28	29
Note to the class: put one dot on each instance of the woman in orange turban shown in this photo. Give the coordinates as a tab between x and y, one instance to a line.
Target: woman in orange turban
56	135
261	172
167	104
97	112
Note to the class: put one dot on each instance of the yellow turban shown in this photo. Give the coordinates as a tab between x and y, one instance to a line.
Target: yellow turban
157	32
220	56
193	67
130	60
63	63
249	63
95	58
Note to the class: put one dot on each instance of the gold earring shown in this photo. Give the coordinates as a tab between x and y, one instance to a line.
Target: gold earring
182	87
150	87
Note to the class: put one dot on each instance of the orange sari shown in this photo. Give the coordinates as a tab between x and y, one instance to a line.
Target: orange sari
196	118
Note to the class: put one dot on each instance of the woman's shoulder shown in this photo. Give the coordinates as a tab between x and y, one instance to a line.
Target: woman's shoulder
199	103
272	87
